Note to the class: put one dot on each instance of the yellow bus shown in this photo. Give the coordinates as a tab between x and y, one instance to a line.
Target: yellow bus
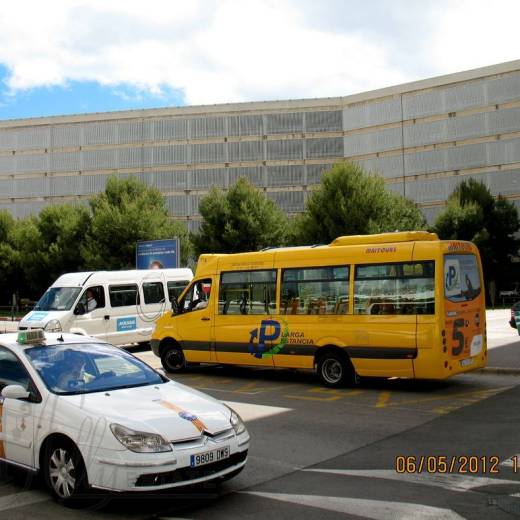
402	304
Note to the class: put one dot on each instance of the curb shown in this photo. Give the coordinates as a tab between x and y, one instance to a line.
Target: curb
500	370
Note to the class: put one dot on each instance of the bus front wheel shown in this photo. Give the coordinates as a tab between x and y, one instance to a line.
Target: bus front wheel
335	371
172	359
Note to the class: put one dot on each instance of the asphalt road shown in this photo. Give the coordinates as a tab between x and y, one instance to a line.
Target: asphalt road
386	449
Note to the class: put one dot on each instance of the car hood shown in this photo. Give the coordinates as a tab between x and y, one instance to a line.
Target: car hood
173	410
38	319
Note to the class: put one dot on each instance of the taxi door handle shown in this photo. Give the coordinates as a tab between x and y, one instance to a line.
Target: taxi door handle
205	318
107	317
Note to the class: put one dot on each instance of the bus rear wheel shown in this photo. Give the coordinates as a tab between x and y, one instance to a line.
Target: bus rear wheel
172	359
335	371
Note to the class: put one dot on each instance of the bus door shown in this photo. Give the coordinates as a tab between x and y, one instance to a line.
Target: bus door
465	311
196	320
244	325
387	299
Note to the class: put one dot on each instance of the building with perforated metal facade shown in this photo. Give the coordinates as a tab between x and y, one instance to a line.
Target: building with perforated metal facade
423	137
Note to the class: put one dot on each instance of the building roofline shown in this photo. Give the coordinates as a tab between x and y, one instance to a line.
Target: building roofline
260	106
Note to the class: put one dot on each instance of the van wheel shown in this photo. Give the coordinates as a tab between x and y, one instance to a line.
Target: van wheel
64	472
334	371
172	359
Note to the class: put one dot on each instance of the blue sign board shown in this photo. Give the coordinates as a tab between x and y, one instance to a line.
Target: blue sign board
126	324
157	254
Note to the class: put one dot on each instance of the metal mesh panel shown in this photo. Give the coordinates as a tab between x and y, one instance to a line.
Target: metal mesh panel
284	123
324	147
503	121
32	163
67	161
372	114
246	151
285	150
172	181
174	128
66	135
24	209
33	187
424	162
254	175
130	132
504	89
315	172
99	159
175	154
194	202
93	183
505	182
7	140
285	175
245	125
202	179
7	164
468	156
429	190
289	201
130	157
100	133
208	153
6	188
71	185
360	144
504	152
207	127
387	166
323	121
36	137
178	205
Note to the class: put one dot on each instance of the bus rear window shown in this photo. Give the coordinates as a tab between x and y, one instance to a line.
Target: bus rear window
461	278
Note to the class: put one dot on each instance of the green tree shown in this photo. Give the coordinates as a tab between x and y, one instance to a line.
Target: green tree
126	212
350	201
243	219
10	269
472	213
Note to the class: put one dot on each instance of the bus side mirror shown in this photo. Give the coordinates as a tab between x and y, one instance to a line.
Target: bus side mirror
175	307
80	309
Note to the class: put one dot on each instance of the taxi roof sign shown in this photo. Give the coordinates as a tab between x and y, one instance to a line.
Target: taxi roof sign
30	337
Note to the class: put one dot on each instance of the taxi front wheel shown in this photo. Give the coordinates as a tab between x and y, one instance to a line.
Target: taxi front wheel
172	359
64	472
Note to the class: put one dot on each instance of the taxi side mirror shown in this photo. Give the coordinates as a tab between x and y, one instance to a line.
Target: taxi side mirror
80	309
15	392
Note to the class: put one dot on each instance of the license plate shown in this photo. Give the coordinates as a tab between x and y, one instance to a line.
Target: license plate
209	456
466	362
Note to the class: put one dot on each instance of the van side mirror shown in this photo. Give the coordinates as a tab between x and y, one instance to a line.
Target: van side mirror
15	392
80	309
175	307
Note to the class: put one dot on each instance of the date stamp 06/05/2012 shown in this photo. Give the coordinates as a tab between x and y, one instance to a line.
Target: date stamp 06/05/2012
450	464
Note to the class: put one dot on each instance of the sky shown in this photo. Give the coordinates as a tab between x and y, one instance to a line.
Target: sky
81	56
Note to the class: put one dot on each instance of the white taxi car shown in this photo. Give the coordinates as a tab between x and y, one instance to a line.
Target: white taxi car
88	414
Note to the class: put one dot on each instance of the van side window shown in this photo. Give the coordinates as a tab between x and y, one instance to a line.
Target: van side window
197	297
93	298
247	292
315	290
176	288
397	288
123	295
153	292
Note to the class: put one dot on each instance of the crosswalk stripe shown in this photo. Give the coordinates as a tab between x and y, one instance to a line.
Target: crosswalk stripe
452	482
21	499
374	509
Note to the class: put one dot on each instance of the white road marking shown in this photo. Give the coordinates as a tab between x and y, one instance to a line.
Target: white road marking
452	482
250	412
24	498
375	509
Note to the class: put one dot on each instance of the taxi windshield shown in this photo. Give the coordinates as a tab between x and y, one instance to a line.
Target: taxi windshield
85	368
58	299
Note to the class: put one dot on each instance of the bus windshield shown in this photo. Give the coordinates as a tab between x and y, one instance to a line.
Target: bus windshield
461	278
58	299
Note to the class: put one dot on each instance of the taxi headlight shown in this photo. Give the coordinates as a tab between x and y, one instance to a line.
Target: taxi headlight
140	442
53	326
236	422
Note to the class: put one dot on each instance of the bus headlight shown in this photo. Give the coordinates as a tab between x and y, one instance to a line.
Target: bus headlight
53	326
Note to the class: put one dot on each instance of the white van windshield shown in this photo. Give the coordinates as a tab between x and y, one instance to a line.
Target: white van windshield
58	299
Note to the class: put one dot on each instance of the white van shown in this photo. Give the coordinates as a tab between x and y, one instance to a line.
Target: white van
120	307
